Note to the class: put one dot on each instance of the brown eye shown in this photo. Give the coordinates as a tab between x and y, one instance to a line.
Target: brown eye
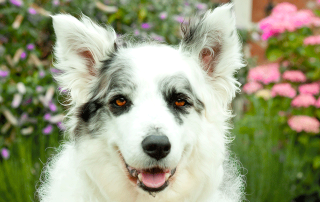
121	102
180	103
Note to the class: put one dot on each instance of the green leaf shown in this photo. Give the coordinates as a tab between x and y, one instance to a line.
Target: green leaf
274	54
316	162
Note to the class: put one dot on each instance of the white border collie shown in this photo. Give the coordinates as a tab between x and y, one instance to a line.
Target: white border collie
147	121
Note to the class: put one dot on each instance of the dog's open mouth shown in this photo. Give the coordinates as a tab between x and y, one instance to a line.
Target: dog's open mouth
151	180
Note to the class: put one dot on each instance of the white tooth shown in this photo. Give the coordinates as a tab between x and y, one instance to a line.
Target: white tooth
167	175
140	176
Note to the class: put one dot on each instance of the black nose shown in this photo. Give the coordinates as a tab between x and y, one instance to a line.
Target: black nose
156	146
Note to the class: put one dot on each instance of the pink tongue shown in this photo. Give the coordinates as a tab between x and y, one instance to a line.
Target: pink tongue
153	180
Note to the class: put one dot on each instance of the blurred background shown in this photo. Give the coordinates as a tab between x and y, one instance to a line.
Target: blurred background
277	125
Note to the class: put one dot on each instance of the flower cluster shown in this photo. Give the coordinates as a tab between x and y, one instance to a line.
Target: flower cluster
294	76
283	89
286	17
252	87
304	123
265	73
312	40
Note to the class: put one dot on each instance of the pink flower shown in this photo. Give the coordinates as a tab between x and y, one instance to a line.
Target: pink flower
23	55
283	89
4	73
30	46
304	123
179	19
294	76
285	7
17	3
163	15
312	40
252	87
312	88
32	11
52	107
303	100
5	153
61	126
318	101
47	130
145	26
265	73
201	6
302	18
315	21
47	116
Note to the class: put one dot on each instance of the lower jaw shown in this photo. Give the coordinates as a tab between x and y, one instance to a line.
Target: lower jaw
149	189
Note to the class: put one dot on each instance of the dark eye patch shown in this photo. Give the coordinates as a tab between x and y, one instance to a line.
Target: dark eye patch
117	110
89	109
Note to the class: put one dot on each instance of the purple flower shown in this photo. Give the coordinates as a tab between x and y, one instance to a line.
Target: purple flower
145	26
55	71
3	73
61	126
136	32
5	153
201	6
47	130
16	2
39	89
47	116
32	11
163	15
23	55
56	2
157	37
30	46
179	18
52	107
41	74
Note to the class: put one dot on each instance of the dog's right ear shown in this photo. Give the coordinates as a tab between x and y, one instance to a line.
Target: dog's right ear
79	50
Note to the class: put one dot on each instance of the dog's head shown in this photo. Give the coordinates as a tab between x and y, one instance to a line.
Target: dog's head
152	111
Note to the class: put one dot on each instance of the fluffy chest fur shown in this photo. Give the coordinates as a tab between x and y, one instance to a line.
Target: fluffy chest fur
147	121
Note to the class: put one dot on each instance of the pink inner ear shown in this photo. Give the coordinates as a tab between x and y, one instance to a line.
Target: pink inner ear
90	62
207	59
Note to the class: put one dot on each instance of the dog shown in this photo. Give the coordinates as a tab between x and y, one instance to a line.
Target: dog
146	121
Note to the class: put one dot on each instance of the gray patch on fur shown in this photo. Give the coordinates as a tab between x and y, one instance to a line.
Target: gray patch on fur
178	86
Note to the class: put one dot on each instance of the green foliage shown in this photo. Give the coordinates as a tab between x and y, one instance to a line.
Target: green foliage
283	163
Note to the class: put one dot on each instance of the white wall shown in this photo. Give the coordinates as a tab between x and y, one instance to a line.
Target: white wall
243	9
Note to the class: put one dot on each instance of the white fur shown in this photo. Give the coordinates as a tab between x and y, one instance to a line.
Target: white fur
89	169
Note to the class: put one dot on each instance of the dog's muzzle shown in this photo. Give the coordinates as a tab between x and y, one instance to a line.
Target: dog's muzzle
151	180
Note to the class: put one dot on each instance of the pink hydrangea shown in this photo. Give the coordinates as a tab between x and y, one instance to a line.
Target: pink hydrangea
252	87
311	88
283	89
312	40
265	73
294	76
318	101
303	100
285	16
302	18
285	7
304	123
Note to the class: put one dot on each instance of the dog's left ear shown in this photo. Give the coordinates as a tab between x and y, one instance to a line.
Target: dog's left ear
213	40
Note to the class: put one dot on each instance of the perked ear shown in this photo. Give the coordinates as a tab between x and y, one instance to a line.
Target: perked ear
79	50
213	40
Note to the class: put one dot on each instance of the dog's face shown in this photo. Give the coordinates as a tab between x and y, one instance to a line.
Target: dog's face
149	109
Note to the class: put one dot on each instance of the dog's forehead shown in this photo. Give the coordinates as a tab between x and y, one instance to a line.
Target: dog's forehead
155	61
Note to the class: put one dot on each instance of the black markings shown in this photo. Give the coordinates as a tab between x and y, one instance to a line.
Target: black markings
88	110
177	88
